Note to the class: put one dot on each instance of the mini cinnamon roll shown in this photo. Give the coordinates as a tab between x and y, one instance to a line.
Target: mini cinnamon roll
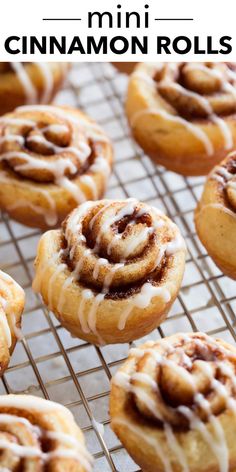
112	272
173	404
26	83
183	115
40	435
215	215
12	300
51	159
125	67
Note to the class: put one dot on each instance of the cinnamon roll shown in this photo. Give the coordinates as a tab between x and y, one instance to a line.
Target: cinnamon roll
112	272
215	216
51	159
183	115
25	83
125	67
40	435
173	404
12	301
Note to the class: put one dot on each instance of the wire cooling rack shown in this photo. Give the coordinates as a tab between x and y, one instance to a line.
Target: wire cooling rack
48	362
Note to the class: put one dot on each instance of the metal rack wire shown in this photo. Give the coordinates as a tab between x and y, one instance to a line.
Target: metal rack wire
48	362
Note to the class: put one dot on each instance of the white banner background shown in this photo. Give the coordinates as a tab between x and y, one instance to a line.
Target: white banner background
210	18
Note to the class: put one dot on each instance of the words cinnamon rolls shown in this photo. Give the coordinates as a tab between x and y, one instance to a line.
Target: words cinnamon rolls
183	115
112	272
215	216
12	300
173	404
51	160
40	435
27	83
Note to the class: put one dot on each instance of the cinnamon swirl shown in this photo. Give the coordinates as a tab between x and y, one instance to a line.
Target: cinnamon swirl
173	404
215	216
24	83
183	115
12	301
40	435
112	272
51	160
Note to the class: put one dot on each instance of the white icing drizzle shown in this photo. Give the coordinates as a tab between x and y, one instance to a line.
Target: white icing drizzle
216	441
147	439
34	452
222	171
222	208
16	121
72	188
226	178
136	241
48	81
100	165
201	67
27	85
193	129
141	75
91	129
17	331
5	325
200	134
22	402
30	89
37	282
66	284
6	418
175	447
144	378
148	291
92	315
86	295
214	437
89	182
76	450
224	128
60	268
50	215
6	282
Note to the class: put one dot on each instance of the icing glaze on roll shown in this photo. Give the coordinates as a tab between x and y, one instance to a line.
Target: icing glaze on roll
48	146
27	424
195	91
30	90
116	251
179	386
7	309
